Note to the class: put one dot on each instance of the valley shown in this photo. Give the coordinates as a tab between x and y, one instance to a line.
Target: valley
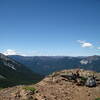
14	73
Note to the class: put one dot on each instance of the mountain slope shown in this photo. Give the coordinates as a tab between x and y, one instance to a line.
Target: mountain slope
54	87
46	65
14	73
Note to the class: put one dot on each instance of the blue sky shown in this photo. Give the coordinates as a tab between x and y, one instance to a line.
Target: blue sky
50	27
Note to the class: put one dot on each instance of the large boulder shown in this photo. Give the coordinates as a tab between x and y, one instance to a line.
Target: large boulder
90	82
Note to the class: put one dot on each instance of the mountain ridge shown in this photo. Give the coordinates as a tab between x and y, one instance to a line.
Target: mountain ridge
14	73
48	64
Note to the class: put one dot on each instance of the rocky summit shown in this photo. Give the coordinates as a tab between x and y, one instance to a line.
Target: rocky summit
56	87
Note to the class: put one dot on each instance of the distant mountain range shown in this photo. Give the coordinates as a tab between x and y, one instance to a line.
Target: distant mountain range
45	65
15	73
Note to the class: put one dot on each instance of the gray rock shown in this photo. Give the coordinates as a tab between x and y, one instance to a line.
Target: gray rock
90	82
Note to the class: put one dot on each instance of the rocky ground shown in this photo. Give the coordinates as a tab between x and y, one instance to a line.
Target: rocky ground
54	87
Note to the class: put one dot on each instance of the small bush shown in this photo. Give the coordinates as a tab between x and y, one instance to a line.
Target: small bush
32	89
1	88
83	78
97	99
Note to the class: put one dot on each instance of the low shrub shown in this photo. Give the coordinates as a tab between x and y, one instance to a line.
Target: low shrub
32	89
97	99
83	78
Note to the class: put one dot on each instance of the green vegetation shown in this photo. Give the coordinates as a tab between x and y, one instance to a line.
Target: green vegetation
1	88
97	99
83	78
20	76
32	89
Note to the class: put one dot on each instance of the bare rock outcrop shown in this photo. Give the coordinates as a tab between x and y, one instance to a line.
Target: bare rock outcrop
55	87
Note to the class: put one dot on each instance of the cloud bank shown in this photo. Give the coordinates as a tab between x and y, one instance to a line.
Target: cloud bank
10	52
32	53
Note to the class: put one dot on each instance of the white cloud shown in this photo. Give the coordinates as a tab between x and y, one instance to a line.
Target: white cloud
80	41
10	52
85	44
98	48
31	53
